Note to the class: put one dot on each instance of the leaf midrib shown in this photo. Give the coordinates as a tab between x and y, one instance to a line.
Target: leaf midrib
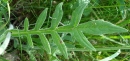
16	32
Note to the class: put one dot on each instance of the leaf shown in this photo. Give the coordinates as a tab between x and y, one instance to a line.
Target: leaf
99	27
41	20
29	40
57	16
77	14
79	36
59	42
26	24
45	43
6	41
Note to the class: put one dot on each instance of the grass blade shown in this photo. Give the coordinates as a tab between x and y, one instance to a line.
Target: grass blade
79	36
57	16
101	48
59	42
41	19
45	43
105	37
112	56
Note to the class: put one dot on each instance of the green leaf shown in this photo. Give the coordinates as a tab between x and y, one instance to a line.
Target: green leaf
26	24
45	43
99	27
122	8
59	42
77	14
79	36
29	40
41	19
57	16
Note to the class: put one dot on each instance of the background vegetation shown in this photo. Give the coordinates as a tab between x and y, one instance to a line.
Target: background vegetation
114	11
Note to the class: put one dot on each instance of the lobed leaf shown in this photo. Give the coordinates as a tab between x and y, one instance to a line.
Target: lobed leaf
41	20
45	43
99	27
77	14
57	16
79	36
59	42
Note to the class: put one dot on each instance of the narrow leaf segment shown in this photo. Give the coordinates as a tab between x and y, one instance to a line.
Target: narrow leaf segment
57	16
79	36
41	19
77	13
59	42
45	43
